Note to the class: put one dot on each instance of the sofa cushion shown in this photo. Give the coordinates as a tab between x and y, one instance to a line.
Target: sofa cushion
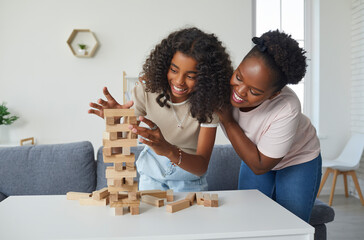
321	213
101	166
224	168
47	169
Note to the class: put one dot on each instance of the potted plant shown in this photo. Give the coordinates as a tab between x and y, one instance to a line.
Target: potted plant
82	49
4	118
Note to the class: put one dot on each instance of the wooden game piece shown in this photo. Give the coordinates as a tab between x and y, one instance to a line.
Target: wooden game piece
110	135
100	194
191	197
110	120
177	206
118	112
207	200
111	173
214	200
119	158
113	197
126	150
120	142
154	193
134	210
129	180
132	196
170	195
77	195
92	202
122	127
124	188
133	120
119	211
199	198
130	166
107	151
158	202
118	166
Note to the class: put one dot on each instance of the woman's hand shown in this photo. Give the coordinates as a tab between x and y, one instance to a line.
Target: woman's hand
225	115
152	137
98	108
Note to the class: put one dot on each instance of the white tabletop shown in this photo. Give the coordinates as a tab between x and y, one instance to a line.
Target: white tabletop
241	214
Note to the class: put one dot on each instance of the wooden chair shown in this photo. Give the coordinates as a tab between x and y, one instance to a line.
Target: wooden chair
346	164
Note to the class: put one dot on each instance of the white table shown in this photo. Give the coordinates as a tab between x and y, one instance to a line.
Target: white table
245	214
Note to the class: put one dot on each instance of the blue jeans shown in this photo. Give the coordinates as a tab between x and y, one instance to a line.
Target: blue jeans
158	172
295	187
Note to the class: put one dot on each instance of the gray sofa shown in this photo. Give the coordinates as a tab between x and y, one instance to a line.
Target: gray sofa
59	168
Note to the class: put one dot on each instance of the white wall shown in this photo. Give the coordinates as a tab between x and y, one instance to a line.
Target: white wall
49	88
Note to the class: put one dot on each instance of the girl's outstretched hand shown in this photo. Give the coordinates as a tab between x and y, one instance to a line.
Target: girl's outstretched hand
98	108
152	137
225	115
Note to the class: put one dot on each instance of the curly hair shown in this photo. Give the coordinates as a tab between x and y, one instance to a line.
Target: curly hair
211	91
282	55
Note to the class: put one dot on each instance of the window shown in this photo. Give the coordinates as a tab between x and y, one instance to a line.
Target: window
287	16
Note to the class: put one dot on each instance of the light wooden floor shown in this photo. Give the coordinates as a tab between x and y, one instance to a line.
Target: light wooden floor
349	218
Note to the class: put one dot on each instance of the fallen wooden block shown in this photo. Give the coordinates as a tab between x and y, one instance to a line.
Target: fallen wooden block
158	202
155	193
77	195
92	202
214	200
191	197
207	200
199	198
177	206
170	195
100	194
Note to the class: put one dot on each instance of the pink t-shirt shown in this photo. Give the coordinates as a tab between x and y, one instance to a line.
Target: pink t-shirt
279	129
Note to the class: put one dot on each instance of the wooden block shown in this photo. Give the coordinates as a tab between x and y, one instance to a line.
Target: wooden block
113	197
119	158
100	194
191	197
118	166
110	182
158	202
118	112
124	188
107	151
110	135
134	136
126	150
134	210
133	120
117	182
177	206
77	195
207	200
124	203
170	197
119	211
110	120
92	202
120	143
132	196
154	193
123	127
129	180
199	198
111	173
130	166
116	150
214	200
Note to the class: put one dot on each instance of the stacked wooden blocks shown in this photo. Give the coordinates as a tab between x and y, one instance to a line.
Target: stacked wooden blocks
117	141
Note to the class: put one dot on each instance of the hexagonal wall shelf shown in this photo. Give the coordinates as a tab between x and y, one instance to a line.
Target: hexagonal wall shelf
82	43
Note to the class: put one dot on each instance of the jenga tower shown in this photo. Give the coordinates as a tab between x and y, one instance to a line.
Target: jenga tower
117	141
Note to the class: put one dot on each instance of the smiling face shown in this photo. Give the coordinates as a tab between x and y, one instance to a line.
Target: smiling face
181	77
251	84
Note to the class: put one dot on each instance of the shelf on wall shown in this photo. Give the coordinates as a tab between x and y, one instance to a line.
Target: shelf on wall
82	36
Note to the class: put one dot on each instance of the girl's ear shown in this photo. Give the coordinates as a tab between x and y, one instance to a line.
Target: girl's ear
274	95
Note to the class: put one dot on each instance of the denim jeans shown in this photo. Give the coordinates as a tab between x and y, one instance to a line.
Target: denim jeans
158	172
295	187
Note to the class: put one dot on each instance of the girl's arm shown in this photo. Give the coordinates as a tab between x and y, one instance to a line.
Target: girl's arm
194	163
244	147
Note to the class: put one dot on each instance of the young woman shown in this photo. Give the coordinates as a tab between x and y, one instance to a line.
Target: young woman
277	143
185	80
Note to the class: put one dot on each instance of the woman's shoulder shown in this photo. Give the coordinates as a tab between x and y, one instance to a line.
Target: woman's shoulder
287	99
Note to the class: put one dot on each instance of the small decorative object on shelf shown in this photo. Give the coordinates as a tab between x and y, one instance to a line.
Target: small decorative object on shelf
82	42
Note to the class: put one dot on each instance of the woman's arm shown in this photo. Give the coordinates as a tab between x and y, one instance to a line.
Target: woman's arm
194	163
244	147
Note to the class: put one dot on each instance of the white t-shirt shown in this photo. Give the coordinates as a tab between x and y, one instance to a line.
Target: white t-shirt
279	129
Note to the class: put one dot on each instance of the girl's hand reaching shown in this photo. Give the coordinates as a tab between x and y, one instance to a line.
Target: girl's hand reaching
98	108
225	115
152	137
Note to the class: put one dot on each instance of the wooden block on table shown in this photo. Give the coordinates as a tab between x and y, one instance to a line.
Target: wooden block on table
119	158
100	194
113	197
118	112
120	143
92	202
207	200
154	193
177	206
124	203
158	202
214	200
191	197
199	198
77	195
110	135
134	210
119	211
170	195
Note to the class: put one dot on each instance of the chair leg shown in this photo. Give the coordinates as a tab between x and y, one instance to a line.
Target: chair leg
345	184
328	170
355	179
336	172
